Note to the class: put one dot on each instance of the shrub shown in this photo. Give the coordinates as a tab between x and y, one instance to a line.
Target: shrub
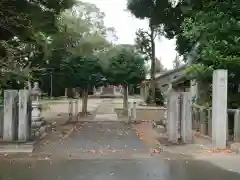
159	100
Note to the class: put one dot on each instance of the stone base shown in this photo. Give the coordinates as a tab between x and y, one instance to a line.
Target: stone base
235	147
160	129
39	132
37	124
22	147
16	147
107	96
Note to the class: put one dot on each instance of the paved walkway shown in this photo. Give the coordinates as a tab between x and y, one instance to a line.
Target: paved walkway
106	112
104	150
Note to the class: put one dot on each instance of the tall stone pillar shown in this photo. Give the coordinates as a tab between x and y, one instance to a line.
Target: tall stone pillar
219	108
186	119
173	117
237	126
10	115
24	109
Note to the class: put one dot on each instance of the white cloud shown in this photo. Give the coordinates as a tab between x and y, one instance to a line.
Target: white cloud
126	25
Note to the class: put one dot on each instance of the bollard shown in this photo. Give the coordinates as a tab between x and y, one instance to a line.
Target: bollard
134	111
76	109
70	110
130	105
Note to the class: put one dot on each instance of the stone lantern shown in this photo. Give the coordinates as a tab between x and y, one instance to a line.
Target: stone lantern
37	119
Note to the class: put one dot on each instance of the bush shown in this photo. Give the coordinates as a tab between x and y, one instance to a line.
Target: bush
159	100
159	97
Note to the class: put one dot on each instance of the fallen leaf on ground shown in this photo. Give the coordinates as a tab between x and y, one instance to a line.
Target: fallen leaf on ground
217	150
155	150
92	151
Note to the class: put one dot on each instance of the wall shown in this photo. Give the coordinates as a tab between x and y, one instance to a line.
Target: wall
147	113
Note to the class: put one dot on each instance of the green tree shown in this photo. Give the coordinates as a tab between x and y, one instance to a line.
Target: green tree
74	52
167	16
84	72
24	18
159	20
145	42
217	49
21	24
125	67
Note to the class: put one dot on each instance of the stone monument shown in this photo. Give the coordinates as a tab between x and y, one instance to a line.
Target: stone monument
24	115
37	119
10	115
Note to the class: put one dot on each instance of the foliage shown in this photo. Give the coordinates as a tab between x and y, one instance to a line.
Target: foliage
152	10
125	66
218	49
164	14
212	24
159	68
159	99
145	43
85	72
23	26
80	39
24	18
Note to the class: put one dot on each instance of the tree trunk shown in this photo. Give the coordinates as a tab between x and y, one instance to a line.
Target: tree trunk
84	101
125	100
153	69
29	85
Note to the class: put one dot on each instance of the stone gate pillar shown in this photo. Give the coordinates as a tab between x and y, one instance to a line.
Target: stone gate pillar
10	115
186	119
219	108
24	109
173	117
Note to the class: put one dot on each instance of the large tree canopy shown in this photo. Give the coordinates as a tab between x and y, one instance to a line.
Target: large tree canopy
24	25
213	25
25	17
125	65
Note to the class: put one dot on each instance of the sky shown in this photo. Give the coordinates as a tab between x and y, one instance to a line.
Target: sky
126	25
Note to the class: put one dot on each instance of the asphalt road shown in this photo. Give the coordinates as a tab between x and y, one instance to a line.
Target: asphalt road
105	151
